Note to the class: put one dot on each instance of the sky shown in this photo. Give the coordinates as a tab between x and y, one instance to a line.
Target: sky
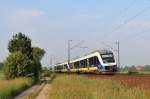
51	23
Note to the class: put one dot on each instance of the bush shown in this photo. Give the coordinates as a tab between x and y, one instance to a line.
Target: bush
46	72
17	65
132	72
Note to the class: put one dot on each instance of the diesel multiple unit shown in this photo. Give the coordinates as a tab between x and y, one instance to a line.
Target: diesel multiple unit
101	61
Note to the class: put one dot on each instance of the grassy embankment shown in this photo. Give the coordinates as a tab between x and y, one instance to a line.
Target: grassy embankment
10	88
77	87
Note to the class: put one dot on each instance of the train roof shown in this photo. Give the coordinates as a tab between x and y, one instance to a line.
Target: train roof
89	54
100	51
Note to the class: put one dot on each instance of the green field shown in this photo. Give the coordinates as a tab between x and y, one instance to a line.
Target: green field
10	88
77	87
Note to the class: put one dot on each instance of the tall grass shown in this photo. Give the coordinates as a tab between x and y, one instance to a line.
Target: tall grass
10	88
77	87
1	75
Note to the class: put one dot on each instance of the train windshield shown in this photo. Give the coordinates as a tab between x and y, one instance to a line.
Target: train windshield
108	58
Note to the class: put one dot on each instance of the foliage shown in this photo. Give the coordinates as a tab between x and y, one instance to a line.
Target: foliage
10	88
132	72
46	72
24	59
2	76
18	65
129	69
21	43
78	87
1	66
37	54
132	69
147	68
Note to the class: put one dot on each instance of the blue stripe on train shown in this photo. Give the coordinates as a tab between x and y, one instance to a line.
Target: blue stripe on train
101	67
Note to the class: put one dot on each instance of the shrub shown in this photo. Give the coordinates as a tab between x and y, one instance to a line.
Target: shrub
17	65
132	72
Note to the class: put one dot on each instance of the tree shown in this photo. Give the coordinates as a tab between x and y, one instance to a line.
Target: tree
147	68
21	43
37	54
18	64
1	66
24	59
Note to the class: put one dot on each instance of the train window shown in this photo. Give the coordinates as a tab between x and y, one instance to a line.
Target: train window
96	60
60	67
71	65
83	63
55	68
76	64
93	61
65	66
108	58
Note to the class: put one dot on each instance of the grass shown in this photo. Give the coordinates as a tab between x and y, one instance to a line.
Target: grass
10	88
2	75
146	73
77	87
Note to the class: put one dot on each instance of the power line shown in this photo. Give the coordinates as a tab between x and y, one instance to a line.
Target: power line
125	10
129	6
136	35
71	48
130	19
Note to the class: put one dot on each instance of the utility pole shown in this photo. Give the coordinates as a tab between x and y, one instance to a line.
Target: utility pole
51	60
69	48
118	51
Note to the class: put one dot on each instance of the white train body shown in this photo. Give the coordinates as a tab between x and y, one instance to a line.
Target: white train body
98	61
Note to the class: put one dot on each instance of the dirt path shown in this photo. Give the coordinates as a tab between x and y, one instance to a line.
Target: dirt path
42	94
27	92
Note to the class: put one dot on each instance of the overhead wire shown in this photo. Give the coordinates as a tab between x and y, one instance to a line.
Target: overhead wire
125	11
129	20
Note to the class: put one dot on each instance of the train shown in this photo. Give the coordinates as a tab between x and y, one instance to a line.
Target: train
99	61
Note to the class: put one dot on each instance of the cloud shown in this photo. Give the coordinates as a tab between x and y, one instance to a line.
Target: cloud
86	17
27	13
30	13
23	15
22	19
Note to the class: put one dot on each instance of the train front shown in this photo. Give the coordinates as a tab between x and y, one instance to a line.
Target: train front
108	64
